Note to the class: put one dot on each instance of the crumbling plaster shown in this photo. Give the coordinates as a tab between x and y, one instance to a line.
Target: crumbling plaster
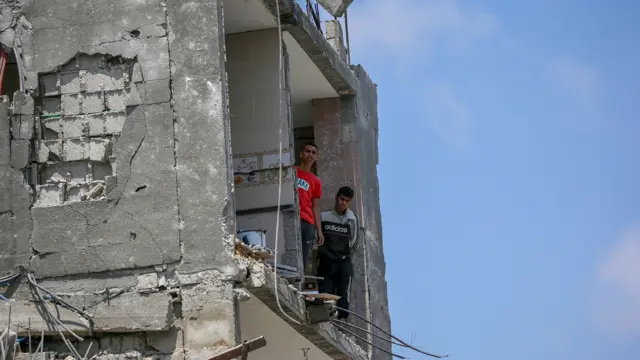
336	8
369	286
167	205
175	112
346	130
180	258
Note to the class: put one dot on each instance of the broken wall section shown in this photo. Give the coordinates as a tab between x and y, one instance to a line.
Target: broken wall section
346	129
94	123
15	194
83	110
369	286
100	134
128	76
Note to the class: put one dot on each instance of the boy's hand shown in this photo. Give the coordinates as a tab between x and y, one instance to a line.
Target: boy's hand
320	238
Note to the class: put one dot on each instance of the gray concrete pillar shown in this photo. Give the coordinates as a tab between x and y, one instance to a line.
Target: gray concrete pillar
327	124
335	38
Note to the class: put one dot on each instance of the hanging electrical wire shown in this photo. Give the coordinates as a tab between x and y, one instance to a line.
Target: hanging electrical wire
366	341
367	332
56	323
58	300
391	335
3	64
4	337
8	278
275	257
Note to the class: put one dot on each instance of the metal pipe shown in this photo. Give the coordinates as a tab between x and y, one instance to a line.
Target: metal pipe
3	63
346	27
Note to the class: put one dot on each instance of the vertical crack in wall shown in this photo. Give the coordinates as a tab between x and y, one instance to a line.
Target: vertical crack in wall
133	155
144	134
174	120
84	76
105	241
229	209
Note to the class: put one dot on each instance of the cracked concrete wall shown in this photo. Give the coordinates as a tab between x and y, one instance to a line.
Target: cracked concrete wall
346	130
174	314
114	160
83	108
336	132
15	199
360	130
335	38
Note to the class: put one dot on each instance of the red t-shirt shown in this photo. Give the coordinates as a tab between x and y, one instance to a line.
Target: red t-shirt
309	188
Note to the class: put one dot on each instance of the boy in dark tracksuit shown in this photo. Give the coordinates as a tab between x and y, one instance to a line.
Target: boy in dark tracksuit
340	230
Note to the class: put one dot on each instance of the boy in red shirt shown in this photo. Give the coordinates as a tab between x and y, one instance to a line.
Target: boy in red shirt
309	192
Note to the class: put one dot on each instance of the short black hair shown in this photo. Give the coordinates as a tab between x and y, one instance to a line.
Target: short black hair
309	144
346	192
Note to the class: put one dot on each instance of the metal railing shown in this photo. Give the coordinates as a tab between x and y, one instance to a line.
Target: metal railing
313	10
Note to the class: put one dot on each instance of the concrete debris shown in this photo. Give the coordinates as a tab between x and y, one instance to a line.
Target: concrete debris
337	8
106	197
241	294
96	191
255	252
335	38
147	281
124	311
51	194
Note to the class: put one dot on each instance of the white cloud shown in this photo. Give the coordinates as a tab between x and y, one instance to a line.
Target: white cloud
618	299
448	116
405	27
574	78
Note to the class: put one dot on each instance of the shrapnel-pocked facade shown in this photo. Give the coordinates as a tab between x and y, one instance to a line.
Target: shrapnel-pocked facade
137	137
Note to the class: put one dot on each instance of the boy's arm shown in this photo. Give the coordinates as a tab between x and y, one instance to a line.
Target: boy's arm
318	220
315	202
354	240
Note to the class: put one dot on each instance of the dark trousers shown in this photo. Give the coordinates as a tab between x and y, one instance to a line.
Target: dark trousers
308	235
337	277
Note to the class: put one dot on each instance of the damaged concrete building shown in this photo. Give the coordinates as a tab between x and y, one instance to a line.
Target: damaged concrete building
138	136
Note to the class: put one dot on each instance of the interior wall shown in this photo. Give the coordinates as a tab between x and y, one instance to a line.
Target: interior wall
264	221
256	114
303	135
11	80
283	342
302	114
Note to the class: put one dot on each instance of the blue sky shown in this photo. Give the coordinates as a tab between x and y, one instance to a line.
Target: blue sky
508	174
